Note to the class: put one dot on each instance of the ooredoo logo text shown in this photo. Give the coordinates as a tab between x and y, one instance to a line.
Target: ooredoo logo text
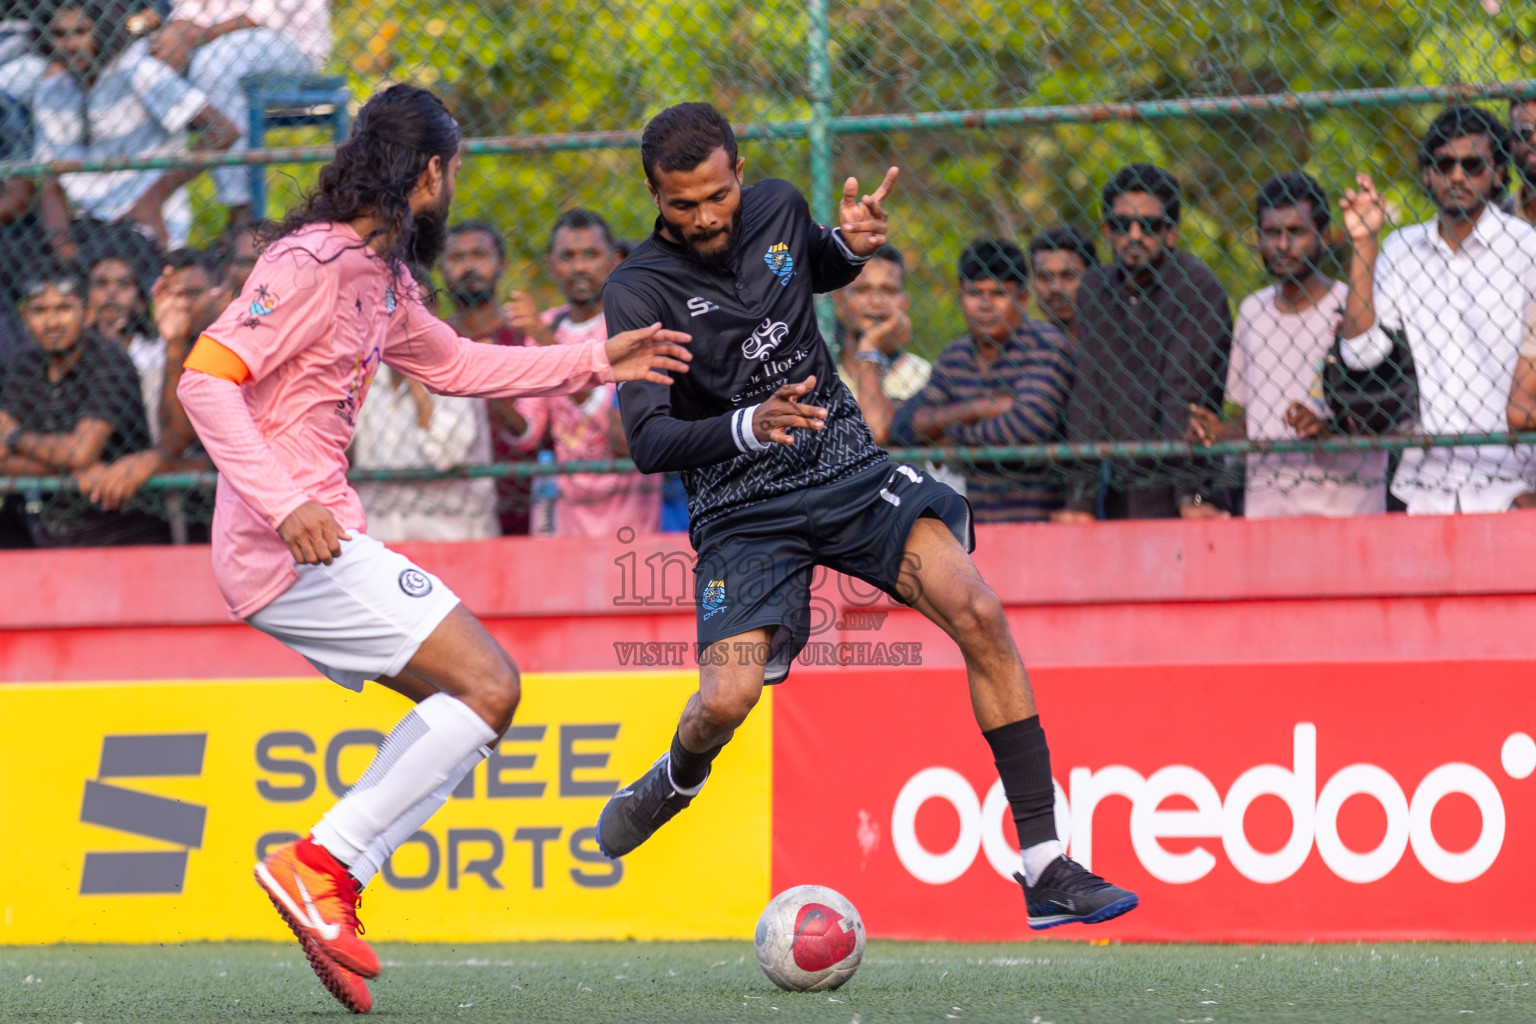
1314	804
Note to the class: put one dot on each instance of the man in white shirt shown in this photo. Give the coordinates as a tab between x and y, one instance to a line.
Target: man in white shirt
1281	337
113	99
405	426
1459	287
216	43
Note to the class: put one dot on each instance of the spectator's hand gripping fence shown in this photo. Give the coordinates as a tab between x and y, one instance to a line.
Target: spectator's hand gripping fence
1007	119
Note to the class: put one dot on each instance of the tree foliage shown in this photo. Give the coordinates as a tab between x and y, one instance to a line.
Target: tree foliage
519	67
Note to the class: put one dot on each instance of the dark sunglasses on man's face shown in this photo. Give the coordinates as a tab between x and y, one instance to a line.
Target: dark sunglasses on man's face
1149	225
1471	166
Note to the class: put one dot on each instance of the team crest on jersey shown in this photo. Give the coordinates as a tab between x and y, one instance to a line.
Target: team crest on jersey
713	598
780	262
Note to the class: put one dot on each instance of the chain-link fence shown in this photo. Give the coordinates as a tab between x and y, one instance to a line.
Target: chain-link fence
1212	361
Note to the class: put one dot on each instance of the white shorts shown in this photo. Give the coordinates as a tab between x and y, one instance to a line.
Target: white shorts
363	616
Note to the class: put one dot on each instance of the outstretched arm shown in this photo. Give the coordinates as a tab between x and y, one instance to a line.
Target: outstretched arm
426	349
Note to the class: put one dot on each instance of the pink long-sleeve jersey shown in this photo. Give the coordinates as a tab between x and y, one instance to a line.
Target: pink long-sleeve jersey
316	318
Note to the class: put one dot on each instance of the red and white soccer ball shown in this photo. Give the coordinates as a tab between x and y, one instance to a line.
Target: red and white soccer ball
809	939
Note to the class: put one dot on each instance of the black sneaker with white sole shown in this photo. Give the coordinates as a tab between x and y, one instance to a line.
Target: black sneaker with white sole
634	813
1067	892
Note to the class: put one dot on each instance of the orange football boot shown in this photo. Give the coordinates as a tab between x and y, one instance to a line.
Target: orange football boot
314	894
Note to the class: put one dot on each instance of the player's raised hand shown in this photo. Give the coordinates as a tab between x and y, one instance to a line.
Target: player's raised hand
649	353
782	412
1365	212
863	220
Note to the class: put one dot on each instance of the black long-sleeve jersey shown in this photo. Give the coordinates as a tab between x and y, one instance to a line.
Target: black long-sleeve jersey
754	330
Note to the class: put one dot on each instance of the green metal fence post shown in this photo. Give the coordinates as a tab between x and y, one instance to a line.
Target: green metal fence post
819	66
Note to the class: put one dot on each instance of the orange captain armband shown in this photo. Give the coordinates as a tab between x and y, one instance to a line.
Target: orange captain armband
212	358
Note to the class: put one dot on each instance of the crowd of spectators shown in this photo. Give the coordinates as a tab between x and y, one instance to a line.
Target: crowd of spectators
100	300
1433	331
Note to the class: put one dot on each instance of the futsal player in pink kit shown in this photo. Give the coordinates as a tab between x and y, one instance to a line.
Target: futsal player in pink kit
273	389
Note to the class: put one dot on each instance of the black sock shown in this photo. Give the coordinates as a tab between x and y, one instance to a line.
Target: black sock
1024	765
688	768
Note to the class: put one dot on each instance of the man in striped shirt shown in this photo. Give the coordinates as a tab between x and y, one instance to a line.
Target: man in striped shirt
1005	383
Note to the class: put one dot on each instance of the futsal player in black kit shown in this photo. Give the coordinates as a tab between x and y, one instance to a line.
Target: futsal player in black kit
782	475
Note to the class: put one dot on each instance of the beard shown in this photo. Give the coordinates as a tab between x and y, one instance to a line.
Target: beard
1148	261
430	237
1297	271
471	290
723	257
1468	209
1469	204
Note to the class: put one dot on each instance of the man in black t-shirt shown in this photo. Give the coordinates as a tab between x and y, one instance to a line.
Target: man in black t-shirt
783	476
69	403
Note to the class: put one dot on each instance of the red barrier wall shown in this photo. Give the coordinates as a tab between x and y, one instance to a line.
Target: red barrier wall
1380	588
1273	730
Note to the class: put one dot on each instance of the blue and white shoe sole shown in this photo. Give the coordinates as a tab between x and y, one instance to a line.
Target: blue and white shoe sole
599	837
1105	913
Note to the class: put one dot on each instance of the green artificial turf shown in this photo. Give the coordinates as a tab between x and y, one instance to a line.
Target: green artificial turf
1033	983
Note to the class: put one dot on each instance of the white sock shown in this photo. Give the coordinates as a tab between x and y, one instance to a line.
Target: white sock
402	828
1039	857
418	755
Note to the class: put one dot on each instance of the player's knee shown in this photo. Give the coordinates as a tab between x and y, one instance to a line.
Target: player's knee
980	618
727	708
498	691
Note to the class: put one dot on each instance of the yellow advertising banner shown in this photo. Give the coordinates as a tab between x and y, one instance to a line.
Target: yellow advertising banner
133	812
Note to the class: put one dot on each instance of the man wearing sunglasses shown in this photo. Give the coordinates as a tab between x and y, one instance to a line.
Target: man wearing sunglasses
1457	288
1153	331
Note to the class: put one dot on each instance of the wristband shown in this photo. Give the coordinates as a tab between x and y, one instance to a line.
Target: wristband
870	357
742	432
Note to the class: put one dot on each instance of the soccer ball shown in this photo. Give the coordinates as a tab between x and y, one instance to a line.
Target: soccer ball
809	939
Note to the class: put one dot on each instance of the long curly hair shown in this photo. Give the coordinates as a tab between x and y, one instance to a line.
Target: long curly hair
397	133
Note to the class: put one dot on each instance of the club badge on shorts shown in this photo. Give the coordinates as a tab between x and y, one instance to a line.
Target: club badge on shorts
415	583
713	598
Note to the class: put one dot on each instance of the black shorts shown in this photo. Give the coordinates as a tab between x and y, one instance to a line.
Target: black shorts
755	566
